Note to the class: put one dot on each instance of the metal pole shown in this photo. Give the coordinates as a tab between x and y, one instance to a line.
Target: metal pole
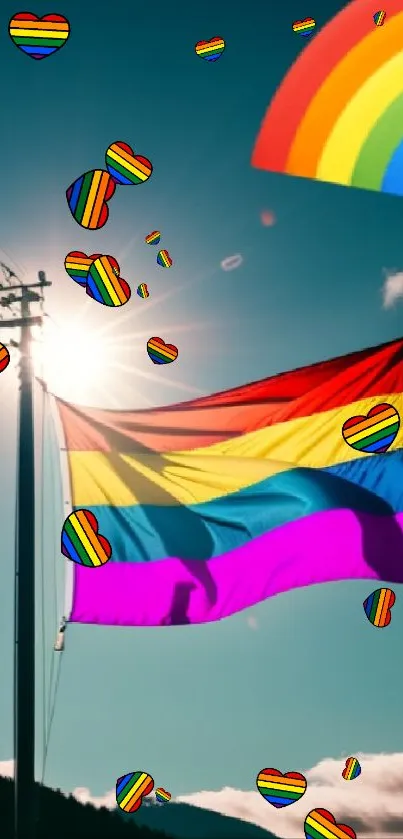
24	670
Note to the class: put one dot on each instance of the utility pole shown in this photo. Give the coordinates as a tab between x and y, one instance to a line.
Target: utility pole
24	633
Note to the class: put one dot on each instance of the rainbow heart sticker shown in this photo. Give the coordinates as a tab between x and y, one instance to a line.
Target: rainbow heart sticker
142	290
164	259
104	283
352	769
87	198
125	167
81	541
153	238
210	50
379	18
4	357
280	790
378	605
304	27
78	264
131	789
374	433
320	824
160	352
38	37
162	795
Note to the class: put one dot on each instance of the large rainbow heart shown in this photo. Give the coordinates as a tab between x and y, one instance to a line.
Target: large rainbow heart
78	264
38	37
82	543
125	167
338	114
374	433
320	824
280	790
104	283
88	198
131	789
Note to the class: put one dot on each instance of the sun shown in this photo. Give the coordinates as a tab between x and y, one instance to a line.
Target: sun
71	360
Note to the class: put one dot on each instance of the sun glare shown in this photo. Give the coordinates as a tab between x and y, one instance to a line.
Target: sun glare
71	362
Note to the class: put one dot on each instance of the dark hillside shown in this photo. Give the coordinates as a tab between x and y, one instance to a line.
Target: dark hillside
62	817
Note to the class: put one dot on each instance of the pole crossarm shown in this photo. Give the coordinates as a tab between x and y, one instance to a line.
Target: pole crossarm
31	321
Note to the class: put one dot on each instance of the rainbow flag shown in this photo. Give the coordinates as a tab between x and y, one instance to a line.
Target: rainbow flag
216	504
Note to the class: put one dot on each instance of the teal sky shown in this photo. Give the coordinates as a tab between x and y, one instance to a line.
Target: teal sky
209	706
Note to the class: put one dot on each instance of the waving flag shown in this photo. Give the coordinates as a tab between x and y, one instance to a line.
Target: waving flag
216	504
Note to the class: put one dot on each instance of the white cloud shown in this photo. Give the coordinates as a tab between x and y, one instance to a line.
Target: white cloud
83	795
7	768
372	804
232	262
392	288
108	800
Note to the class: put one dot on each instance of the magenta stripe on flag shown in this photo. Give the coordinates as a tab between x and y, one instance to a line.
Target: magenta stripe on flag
325	547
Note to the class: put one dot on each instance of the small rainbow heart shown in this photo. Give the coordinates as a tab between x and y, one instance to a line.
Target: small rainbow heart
131	789
81	541
142	290
352	769
280	790
379	18
162	795
153	238
320	824
210	50
304	27
374	433
164	259
378	605
160	352
38	37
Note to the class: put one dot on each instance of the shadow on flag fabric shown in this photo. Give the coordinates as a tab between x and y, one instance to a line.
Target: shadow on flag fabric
214	505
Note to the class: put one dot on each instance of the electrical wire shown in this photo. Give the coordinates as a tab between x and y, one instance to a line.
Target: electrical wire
52	712
54	593
52	701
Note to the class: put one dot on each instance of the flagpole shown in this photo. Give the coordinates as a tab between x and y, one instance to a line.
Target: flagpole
24	625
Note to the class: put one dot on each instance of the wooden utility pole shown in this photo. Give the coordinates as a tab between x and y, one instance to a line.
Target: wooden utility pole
24	638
